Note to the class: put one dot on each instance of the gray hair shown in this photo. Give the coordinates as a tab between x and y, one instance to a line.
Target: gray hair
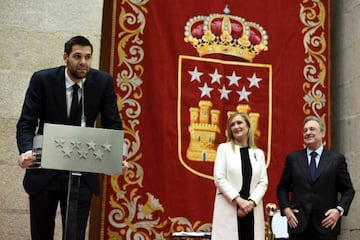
316	119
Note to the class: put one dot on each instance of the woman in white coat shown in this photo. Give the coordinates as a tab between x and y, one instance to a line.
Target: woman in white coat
241	180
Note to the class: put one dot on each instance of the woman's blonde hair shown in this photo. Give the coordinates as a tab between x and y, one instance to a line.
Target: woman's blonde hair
251	138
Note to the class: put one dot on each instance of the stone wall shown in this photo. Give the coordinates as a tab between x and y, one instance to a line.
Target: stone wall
32	37
346	99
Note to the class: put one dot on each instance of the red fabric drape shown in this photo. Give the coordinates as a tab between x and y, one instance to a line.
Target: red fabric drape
169	186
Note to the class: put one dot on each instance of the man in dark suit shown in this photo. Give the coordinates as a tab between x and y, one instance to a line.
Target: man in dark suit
48	100
314	192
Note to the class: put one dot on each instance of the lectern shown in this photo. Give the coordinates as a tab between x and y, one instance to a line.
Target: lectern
80	149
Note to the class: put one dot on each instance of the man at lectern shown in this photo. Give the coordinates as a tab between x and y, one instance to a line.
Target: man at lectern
63	95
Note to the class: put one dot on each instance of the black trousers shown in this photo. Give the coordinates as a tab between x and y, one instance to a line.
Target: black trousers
43	208
310	233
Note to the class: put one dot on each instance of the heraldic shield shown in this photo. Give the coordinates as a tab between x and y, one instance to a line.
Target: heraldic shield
209	90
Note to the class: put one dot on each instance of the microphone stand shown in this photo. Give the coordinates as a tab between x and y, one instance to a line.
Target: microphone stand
70	232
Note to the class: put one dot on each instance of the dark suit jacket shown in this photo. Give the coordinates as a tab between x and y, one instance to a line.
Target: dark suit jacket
45	102
313	199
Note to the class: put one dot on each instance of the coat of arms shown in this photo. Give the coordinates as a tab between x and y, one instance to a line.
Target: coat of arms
222	80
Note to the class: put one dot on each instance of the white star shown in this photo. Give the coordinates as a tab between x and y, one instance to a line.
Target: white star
83	153
195	75
224	93
76	144
59	143
215	77
233	79
205	90
107	146
243	94
98	155
254	81
67	152
91	145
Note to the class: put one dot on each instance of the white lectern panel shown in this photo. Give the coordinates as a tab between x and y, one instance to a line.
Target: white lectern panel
82	149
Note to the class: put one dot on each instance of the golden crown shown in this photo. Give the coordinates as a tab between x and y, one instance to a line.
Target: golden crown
226	34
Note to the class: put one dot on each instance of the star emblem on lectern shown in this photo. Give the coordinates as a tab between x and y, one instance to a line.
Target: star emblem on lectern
83	149
67	152
91	145
76	144
83	153
107	147
59	143
98	154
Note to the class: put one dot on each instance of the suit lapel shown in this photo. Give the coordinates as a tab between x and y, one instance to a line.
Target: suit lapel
88	91
322	163
304	164
60	93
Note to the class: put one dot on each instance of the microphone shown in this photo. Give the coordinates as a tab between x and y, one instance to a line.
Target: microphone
83	117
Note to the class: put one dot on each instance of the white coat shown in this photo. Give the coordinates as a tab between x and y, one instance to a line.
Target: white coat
228	181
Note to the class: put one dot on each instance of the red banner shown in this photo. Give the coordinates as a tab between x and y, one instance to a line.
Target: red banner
180	67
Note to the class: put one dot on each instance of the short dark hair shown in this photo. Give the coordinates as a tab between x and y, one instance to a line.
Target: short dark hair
77	40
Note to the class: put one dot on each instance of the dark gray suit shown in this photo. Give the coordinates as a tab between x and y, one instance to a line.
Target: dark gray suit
314	198
45	102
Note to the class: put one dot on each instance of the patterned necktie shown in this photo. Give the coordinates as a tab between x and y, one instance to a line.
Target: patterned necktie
313	165
75	109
